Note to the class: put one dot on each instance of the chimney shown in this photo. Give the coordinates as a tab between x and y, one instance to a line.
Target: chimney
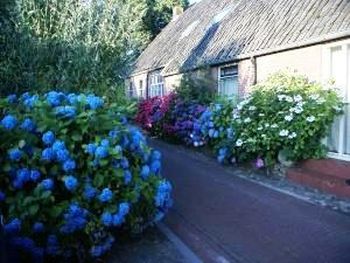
177	11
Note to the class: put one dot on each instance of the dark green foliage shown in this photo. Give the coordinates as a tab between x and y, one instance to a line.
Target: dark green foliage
199	88
74	45
159	14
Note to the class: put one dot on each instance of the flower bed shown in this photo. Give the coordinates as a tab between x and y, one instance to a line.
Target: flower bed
287	115
73	174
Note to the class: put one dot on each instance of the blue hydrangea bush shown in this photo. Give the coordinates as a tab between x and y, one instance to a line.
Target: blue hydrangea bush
73	175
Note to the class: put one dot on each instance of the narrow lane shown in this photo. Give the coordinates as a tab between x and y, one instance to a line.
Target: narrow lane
224	218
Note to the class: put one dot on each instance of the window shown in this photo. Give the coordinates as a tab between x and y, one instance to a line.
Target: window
228	81
337	68
141	90
131	90
156	84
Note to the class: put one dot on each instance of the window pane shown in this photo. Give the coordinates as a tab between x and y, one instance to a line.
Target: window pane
347	129
337	74
228	71
333	138
229	87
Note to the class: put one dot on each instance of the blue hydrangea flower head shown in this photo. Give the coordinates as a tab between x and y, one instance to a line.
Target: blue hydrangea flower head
30	101
55	98
75	219
35	175
13	227
123	120
69	165
62	155
94	102
216	134
48	154
145	171
28	125
155	166
71	183
124	209
72	98
106	195
118	148
91	148
105	143
2	196
223	151
127	176
15	154
12	98
58	145
113	133
89	192
211	133
118	219
101	152
124	163
156	155
48	138
9	122
38	227
47	184
108	243
107	219
23	175
163	195
68	112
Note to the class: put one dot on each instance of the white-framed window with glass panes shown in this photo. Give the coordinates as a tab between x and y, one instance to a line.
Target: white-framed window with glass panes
130	91
336	68
228	81
156	84
142	93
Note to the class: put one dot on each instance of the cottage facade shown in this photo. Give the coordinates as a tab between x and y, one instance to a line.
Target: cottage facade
241	42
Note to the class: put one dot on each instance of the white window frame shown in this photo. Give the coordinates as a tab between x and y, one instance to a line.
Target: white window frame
142	92
156	84
326	64
131	89
221	78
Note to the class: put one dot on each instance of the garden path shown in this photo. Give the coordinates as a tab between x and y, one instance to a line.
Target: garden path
224	218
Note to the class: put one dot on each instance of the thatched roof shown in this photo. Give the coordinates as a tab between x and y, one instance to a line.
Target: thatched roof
218	31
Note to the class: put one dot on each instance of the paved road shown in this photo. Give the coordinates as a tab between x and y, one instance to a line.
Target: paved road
224	218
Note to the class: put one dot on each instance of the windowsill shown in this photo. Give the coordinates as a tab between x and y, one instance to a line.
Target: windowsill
337	156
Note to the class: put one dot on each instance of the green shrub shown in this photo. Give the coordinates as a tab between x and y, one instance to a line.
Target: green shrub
73	173
196	88
68	44
286	113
